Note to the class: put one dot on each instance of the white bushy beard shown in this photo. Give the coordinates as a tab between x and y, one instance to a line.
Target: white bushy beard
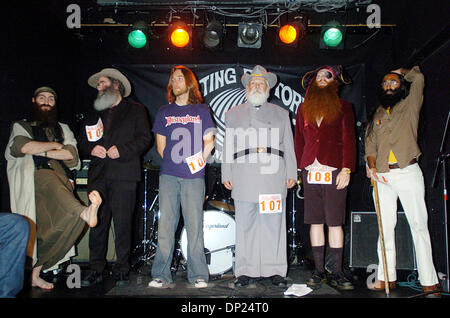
105	99
257	96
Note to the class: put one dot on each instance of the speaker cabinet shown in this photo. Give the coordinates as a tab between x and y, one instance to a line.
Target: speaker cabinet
82	246
364	238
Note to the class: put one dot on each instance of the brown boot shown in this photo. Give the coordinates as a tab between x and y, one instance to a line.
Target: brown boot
429	289
378	285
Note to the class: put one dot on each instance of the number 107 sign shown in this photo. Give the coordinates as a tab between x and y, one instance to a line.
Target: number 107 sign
270	203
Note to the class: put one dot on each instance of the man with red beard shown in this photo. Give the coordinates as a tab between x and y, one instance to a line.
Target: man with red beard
115	135
40	155
325	147
392	153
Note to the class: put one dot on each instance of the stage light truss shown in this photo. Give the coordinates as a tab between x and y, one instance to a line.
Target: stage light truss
209	20
316	5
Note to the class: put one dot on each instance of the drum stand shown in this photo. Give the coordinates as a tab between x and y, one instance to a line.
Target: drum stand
148	245
216	200
294	248
177	258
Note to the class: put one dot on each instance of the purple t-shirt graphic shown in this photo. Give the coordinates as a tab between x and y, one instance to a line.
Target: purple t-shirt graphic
184	128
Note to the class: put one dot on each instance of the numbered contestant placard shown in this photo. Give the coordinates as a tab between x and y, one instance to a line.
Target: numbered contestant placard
95	132
320	177
270	203
196	162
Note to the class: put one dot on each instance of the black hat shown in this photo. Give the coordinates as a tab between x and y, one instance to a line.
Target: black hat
44	89
337	71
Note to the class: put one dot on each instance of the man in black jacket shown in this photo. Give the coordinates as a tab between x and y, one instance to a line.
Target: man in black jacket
114	137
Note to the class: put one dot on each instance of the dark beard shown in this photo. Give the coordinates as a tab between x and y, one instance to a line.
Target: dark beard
390	100
46	118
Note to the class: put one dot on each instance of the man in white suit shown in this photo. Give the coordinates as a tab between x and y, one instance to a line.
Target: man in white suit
259	165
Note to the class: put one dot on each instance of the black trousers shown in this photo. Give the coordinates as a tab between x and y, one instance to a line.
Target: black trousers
119	199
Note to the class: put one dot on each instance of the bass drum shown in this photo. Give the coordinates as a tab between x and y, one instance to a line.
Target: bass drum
219	235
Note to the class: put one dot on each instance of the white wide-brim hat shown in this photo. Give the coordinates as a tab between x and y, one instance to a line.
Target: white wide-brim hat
111	72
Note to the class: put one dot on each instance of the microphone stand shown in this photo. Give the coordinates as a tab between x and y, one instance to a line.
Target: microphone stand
292	232
441	161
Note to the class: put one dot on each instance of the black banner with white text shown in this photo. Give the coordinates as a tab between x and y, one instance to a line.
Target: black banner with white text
222	89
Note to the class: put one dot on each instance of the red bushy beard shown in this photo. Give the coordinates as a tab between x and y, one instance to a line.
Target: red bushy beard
322	102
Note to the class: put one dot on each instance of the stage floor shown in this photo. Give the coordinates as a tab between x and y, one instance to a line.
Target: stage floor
220	287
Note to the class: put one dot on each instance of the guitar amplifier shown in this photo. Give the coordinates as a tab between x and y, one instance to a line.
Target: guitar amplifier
81	176
364	238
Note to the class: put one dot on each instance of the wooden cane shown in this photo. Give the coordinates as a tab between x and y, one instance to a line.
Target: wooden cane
380	230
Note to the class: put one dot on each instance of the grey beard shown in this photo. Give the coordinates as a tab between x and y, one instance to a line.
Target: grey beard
105	100
257	99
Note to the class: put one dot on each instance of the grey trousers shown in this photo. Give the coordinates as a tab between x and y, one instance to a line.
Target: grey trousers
260	241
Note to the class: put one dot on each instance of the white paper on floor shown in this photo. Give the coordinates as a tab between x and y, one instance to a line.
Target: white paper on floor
298	290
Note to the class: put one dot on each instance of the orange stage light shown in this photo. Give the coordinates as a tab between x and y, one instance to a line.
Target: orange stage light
287	34
179	36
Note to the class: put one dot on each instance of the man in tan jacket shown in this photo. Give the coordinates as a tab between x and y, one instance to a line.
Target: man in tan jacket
391	155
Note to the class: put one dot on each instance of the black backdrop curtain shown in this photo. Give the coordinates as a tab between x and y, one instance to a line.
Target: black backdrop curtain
222	89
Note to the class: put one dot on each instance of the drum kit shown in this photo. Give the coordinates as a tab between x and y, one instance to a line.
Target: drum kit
219	231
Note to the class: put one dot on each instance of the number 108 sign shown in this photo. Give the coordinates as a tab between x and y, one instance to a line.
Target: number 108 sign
319	177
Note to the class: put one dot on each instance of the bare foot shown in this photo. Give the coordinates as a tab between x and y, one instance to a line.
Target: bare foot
37	281
89	215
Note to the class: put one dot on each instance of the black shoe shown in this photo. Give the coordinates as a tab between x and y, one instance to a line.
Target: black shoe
90	278
50	276
122	279
316	279
242	281
278	280
341	282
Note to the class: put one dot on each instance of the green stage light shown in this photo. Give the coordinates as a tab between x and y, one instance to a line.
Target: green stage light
137	38
332	37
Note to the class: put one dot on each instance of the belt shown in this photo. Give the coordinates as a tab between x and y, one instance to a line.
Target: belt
258	150
396	166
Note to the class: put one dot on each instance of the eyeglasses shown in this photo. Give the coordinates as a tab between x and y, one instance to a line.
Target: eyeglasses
387	83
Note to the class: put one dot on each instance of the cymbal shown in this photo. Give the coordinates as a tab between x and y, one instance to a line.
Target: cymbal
222	205
148	165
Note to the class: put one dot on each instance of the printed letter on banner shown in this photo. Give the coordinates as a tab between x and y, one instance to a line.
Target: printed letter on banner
319	177
270	203
196	162
95	132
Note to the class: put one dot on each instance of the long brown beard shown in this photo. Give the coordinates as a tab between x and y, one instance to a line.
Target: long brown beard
47	118
322	103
